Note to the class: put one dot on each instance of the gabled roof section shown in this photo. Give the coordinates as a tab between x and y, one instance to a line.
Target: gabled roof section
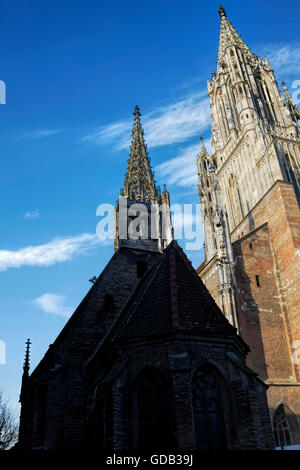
171	298
229	37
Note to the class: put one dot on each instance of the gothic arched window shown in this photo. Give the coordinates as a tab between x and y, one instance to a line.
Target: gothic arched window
208	415
95	425
281	428
292	173
155	426
41	412
235	202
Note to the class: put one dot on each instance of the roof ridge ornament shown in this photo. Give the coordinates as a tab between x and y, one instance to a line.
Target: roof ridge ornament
26	365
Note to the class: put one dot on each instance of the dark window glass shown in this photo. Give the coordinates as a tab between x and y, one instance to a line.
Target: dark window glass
208	415
41	413
281	428
141	267
154	412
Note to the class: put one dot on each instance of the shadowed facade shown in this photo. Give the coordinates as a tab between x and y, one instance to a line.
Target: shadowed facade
249	189
147	361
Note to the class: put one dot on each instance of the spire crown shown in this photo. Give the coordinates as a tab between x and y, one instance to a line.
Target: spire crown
136	112
229	37
139	178
222	12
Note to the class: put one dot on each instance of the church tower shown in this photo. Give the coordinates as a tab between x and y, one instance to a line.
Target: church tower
250	193
217	244
142	214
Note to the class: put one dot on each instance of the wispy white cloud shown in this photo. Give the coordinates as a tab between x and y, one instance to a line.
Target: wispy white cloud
165	125
284	58
38	134
181	170
54	304
35	214
55	251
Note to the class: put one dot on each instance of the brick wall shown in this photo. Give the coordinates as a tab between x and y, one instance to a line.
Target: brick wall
267	244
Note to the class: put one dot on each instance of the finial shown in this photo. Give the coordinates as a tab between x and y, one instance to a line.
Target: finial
222	12
27	357
201	139
283	84
137	111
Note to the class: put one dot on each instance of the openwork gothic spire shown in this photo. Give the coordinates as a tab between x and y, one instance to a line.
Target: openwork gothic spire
139	179
142	214
229	37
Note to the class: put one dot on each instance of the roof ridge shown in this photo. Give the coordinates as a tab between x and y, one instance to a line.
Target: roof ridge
130	302
173	289
203	288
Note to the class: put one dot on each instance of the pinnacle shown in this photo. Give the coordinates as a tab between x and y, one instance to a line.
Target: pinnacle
136	112
27	357
203	149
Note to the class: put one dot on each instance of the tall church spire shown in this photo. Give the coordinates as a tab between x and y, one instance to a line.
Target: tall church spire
139	179
229	37
255	143
142	213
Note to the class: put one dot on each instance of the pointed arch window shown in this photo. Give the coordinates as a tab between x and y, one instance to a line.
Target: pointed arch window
95	424
292	173
41	412
207	409
235	202
154	411
281	428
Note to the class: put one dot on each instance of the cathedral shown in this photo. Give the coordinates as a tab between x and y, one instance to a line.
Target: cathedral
159	356
249	190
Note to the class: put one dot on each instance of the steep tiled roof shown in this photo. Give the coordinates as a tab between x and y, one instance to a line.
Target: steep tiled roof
170	298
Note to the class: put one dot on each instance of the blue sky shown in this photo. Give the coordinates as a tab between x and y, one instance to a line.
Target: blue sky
74	72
